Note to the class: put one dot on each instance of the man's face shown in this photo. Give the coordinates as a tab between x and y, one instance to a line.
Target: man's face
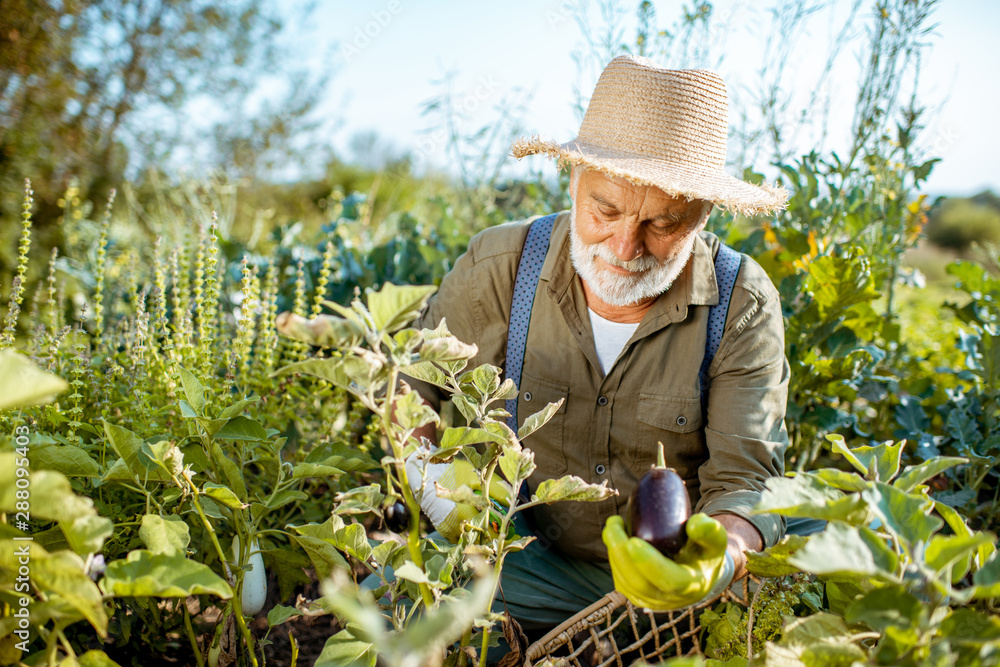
630	242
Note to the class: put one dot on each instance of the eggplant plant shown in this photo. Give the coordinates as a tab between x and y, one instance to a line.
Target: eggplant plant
897	577
433	598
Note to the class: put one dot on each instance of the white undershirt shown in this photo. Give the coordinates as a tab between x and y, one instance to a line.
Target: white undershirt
610	338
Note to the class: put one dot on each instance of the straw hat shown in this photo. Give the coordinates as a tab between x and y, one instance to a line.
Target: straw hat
660	127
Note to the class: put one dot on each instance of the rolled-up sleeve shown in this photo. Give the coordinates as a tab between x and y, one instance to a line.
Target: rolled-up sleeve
745	434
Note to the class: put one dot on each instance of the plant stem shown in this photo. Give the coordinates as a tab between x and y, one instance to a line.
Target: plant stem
189	629
466	638
413	536
237	603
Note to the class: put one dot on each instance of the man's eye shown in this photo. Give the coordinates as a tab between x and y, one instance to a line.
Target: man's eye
666	224
608	213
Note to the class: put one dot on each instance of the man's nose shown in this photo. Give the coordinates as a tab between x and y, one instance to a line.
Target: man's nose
627	243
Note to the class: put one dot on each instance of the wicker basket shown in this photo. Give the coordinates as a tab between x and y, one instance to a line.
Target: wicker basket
614	632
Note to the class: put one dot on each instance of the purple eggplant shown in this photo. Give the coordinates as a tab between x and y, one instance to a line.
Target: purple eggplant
658	509
397	517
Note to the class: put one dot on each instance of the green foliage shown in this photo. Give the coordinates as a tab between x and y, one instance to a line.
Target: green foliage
959	223
374	348
907	581
71	114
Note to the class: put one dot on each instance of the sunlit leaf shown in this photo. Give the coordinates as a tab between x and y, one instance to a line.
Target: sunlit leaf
23	384
223	495
571	487
839	549
773	562
906	515
167	535
242	428
145	574
194	390
915	475
537	420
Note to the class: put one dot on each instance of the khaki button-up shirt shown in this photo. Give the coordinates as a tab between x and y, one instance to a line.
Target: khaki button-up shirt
609	425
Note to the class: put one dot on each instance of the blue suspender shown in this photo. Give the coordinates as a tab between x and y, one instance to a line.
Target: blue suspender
727	266
528	271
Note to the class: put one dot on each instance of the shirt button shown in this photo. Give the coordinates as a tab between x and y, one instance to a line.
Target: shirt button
603	400
599	469
527	396
682	420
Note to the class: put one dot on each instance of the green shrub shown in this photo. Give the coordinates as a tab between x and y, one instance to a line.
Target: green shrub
959	223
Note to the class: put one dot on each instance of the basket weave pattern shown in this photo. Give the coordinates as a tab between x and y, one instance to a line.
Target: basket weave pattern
612	631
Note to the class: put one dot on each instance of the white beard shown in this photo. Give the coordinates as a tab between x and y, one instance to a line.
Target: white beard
652	278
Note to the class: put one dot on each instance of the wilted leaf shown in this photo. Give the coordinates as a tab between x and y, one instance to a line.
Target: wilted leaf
537	420
463	495
323	331
517	464
410	411
447	349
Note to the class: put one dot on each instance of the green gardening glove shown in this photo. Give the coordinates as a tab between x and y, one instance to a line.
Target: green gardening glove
447	515
651	580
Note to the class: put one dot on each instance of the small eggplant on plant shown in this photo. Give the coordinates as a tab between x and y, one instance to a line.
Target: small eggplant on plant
254	590
397	517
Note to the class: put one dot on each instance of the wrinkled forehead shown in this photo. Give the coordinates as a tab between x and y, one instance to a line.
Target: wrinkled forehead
628	196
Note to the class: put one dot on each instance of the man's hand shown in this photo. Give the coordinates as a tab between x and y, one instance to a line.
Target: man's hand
651	580
743	536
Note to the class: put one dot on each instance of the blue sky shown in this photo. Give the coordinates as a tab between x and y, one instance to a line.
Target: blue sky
386	54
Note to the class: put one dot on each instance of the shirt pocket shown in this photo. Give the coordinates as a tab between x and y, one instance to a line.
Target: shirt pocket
546	442
677	423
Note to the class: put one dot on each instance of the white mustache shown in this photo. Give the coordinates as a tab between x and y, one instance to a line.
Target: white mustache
637	265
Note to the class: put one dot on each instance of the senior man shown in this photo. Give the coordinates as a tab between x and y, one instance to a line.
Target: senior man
618	323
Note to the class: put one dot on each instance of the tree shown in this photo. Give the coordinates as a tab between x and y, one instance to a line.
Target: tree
98	90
